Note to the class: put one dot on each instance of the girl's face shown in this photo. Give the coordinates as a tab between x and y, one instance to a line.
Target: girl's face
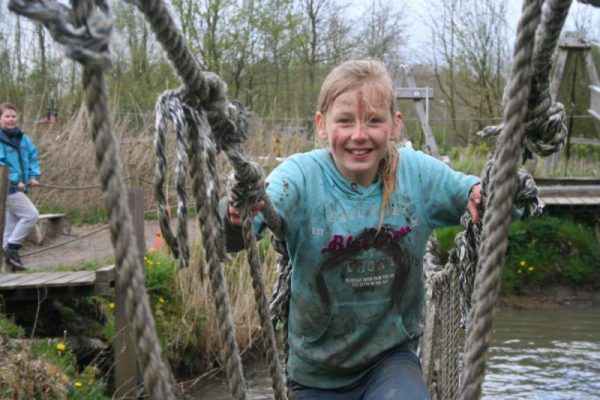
9	119
358	127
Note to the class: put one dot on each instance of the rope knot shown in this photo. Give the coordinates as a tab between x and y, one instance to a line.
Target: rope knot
547	134
244	186
86	42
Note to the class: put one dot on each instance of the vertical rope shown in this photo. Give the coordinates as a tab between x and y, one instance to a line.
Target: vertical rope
497	217
205	183
89	46
275	370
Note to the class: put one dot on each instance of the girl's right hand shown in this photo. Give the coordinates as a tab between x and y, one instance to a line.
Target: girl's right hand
234	217
21	186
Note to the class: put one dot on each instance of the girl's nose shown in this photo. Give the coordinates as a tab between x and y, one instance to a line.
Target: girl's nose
360	132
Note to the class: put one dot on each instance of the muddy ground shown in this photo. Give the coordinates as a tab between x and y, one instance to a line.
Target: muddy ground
78	247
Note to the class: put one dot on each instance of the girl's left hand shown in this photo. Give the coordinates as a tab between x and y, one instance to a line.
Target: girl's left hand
33	182
474	205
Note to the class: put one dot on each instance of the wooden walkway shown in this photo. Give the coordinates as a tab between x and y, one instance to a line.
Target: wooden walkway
32	286
581	194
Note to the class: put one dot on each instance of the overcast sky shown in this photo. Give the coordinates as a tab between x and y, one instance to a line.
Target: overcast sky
418	47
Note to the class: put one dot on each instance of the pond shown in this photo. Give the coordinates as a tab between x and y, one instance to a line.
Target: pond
549	354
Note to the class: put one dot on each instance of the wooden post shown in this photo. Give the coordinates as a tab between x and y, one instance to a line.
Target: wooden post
418	95
3	192
126	376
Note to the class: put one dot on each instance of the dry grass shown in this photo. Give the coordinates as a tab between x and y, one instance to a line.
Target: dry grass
25	376
67	158
187	321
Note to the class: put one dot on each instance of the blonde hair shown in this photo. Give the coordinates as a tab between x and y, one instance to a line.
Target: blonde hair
7	106
351	75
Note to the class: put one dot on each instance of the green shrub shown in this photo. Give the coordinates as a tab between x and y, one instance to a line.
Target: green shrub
543	251
547	250
9	330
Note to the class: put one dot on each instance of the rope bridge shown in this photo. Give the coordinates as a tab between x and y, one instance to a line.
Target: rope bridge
206	123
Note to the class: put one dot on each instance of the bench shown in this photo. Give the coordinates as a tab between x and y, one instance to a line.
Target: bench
50	225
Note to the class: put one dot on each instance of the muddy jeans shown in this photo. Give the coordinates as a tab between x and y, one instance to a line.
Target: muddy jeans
20	218
397	376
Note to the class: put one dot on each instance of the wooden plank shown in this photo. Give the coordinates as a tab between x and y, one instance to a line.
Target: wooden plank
25	279
559	69
420	109
5	279
106	274
586	141
567	180
77	278
51	216
591	67
420	93
574	43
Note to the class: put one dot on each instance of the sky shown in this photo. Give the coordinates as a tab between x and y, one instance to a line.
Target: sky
418	49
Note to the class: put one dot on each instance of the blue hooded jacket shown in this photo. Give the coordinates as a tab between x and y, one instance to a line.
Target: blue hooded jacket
19	153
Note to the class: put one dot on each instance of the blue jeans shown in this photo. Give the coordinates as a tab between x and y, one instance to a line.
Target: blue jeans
397	376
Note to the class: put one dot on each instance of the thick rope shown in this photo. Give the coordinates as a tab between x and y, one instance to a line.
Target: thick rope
207	92
272	355
93	27
169	107
497	217
205	182
243	195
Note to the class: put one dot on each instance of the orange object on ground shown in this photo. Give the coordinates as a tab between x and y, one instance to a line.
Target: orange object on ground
159	240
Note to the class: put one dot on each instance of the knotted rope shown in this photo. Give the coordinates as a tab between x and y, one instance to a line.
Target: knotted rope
85	30
497	217
215	124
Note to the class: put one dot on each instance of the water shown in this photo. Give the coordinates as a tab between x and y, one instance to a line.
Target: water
549	354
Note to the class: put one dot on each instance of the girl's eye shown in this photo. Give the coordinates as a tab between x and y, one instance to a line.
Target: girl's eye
375	121
344	121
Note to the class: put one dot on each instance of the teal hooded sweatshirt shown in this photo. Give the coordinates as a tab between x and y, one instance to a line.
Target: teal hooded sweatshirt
357	289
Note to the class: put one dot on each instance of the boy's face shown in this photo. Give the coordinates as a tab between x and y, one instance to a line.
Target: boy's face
9	119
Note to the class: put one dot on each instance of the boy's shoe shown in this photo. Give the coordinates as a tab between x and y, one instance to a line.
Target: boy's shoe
13	259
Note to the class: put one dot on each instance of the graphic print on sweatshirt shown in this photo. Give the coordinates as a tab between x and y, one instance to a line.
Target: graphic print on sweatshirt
369	268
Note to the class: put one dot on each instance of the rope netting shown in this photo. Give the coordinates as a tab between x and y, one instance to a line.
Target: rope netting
206	123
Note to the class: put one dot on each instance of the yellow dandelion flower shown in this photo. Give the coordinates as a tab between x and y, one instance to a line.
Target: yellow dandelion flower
530	269
522	263
60	346
111	306
78	384
519	271
161	300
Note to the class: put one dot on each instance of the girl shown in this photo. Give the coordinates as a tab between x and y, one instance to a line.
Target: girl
18	152
356	218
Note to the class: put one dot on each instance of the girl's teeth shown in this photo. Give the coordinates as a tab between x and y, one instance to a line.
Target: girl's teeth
359	152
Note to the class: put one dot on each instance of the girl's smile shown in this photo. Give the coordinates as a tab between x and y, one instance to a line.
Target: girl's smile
358	126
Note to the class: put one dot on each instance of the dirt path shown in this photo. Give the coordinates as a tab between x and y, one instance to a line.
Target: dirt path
97	246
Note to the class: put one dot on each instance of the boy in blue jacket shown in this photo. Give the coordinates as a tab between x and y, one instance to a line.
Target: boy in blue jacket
17	152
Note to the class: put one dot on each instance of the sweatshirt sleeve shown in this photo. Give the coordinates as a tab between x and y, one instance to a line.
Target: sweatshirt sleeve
445	192
284	187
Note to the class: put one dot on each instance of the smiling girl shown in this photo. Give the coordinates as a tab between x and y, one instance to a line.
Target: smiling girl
356	217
